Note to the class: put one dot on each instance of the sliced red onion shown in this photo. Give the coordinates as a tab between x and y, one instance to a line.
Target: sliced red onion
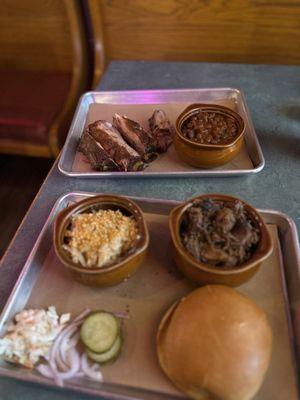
89	370
54	351
73	340
63	349
121	314
75	365
57	364
65	333
64	361
45	371
82	315
95	367
48	373
56	376
64	342
60	365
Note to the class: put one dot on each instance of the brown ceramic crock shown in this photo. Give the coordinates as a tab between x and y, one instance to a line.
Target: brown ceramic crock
203	273
126	265
207	155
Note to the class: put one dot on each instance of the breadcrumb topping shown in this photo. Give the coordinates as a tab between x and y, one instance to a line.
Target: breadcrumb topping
97	239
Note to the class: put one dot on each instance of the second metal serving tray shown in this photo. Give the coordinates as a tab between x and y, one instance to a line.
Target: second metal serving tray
147	295
250	160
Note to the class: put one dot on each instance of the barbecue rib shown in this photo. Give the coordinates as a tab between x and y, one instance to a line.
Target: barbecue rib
115	146
138	138
95	153
161	130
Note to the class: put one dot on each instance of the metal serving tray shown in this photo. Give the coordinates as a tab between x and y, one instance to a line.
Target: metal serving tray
250	160
147	295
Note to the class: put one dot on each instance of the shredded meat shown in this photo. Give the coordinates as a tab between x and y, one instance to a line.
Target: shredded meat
219	233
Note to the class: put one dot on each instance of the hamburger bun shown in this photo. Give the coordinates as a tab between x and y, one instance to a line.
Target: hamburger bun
215	344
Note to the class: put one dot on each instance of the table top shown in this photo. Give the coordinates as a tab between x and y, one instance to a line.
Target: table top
273	96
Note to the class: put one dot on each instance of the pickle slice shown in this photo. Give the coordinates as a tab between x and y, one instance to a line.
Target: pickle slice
110	355
99	331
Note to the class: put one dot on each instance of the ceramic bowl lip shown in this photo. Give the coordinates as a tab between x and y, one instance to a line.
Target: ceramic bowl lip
262	252
64	217
194	108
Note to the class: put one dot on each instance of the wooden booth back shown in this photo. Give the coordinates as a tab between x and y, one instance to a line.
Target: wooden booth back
35	36
245	31
43	71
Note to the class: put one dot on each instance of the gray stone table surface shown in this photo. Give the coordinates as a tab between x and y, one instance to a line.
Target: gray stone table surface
273	96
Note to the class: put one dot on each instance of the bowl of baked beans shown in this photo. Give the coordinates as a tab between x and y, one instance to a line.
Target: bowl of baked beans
208	135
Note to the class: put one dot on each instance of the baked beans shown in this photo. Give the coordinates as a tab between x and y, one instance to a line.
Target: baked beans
209	127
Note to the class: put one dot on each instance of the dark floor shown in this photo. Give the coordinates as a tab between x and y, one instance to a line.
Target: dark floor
20	179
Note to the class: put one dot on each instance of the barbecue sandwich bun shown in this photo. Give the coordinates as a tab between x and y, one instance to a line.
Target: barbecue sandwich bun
215	344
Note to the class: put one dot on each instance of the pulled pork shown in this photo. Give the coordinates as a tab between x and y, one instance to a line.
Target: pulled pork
219	233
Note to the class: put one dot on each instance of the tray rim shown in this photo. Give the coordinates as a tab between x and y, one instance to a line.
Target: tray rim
157	174
109	391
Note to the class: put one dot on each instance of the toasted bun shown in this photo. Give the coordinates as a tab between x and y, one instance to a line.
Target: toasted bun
215	344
